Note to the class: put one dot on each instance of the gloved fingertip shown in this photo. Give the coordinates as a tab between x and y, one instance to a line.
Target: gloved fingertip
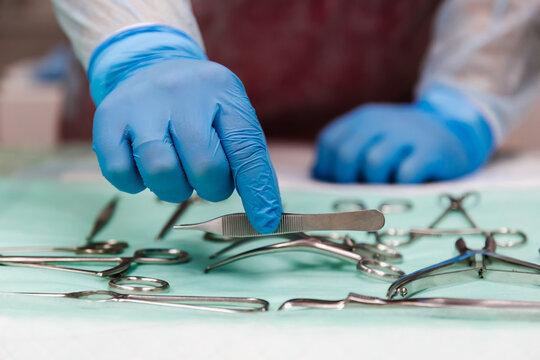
217	196
267	221
130	183
174	197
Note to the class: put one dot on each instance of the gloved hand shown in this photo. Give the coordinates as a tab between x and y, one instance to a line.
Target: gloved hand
439	137
170	120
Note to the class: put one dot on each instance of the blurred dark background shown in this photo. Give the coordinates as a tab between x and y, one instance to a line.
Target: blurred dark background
28	31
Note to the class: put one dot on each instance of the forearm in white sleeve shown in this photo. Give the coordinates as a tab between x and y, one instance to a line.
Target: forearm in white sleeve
490	51
89	22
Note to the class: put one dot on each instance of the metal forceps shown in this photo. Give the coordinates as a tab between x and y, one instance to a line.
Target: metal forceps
356	300
374	251
304	242
238	225
468	266
206	303
389	206
115	273
398	237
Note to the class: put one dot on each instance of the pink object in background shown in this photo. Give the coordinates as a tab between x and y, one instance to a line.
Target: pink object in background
30	111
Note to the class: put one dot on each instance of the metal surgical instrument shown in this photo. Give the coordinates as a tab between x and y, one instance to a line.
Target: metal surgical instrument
237	225
354	299
369	266
398	237
103	218
206	303
96	247
115	273
182	207
389	206
110	246
469	265
374	251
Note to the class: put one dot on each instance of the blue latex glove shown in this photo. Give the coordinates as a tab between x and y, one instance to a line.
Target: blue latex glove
440	137
170	120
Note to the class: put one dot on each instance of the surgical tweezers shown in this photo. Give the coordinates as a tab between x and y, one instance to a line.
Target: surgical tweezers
369	266
468	266
354	299
206	303
398	237
237	225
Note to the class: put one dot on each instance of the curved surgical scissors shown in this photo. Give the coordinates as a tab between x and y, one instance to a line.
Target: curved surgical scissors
369	266
389	206
206	303
398	237
115	273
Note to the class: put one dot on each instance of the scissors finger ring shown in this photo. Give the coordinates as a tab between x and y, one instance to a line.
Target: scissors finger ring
379	269
148	284
160	256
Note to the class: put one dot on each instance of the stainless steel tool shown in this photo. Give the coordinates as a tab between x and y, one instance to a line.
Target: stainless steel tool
304	242
505	237
470	265
389	206
237	225
205	303
181	209
103	218
116	273
355	300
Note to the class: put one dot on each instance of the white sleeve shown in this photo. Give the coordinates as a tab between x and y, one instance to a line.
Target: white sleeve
88	22
490	51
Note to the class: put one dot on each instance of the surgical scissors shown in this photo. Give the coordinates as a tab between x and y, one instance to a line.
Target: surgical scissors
304	242
207	303
115	273
398	237
389	206
110	246
97	247
469	265
363	300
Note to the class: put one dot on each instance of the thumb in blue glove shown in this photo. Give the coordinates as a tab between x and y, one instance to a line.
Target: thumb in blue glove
440	137
170	120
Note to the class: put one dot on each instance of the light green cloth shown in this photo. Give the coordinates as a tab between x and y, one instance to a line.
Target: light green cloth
59	214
